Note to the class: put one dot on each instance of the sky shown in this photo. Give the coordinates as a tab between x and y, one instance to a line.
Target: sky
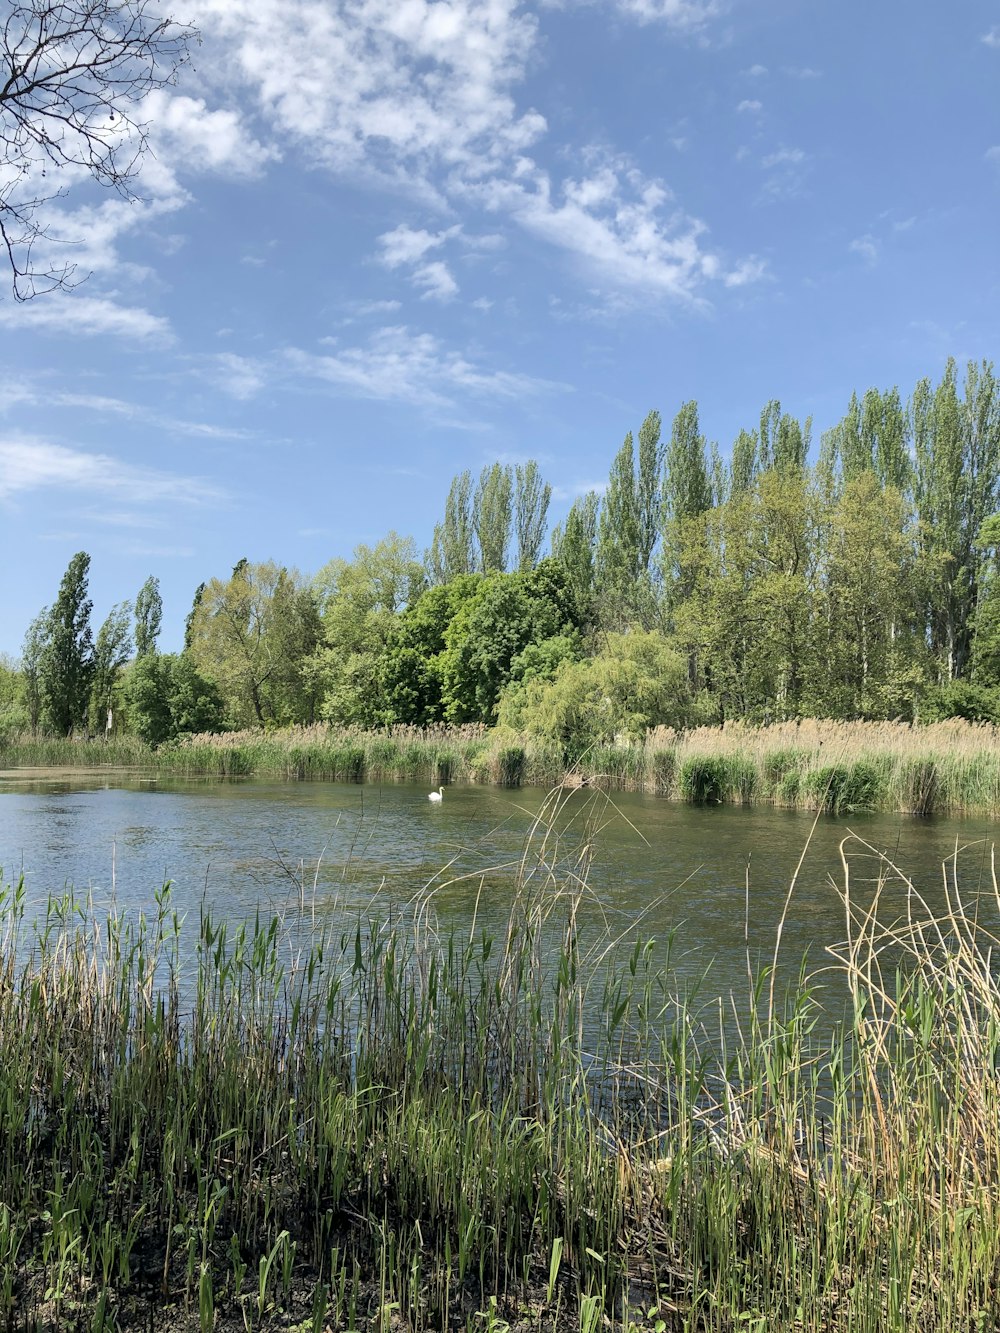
382	241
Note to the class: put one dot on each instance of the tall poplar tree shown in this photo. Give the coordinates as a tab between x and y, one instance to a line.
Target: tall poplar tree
957	450
617	556
148	617
492	514
451	551
531	508
67	663
573	545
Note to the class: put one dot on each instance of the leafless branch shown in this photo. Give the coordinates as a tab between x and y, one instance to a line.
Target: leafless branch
73	77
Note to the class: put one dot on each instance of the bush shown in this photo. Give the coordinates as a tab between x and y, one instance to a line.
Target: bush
704	780
841	788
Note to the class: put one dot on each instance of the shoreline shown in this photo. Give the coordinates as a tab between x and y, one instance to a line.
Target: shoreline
950	768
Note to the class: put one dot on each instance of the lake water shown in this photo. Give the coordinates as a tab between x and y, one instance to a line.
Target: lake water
313	851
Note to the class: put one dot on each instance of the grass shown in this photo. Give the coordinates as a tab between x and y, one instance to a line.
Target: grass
947	768
286	1124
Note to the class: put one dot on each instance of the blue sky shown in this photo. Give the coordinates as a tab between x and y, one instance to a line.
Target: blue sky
383	241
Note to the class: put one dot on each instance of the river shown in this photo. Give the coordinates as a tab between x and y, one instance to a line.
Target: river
319	851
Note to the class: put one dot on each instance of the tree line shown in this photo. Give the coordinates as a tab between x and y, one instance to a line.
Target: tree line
857	580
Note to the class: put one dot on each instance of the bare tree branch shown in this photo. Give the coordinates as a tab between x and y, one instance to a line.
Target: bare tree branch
73	77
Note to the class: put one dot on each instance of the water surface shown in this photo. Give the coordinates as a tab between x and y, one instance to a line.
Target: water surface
322	851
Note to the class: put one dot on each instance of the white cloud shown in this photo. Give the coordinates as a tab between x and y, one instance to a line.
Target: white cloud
235	375
685	15
756	71
136	412
751	105
435	281
383	87
993	155
188	135
866	246
802	72
622	227
74	315
784	157
407	245
30	464
991	38
398	365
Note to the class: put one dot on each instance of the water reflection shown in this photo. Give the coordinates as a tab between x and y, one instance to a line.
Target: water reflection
710	885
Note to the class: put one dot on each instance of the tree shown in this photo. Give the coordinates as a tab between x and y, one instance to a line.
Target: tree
956	488
252	635
167	697
636	683
687	493
32	653
491	517
361	603
508	612
573	547
531	507
148	617
451	550
75	76
66	664
111	652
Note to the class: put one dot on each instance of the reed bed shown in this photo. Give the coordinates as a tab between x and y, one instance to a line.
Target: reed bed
948	768
291	1126
945	768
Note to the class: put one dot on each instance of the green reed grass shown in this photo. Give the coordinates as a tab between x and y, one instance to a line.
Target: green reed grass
950	768
278	1124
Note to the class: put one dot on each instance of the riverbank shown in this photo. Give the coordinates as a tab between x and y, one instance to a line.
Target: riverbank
947	768
286	1127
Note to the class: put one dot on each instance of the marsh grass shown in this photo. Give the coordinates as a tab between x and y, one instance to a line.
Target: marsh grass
380	1127
947	768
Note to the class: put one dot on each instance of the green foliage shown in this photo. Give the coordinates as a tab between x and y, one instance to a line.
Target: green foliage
843	788
637	682
507	613
148	617
167	697
65	666
253	635
961	698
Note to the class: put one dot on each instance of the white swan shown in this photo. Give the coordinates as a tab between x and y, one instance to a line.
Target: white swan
437	795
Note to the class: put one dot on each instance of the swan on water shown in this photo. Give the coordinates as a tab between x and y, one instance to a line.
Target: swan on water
437	795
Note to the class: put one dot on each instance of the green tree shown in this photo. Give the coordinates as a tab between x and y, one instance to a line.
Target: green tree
111	652
148	617
508	612
531	507
199	593
66	664
361	603
871	654
32	656
252	634
491	517
167	697
412	664
957	487
451	552
636	682
687	495
573	546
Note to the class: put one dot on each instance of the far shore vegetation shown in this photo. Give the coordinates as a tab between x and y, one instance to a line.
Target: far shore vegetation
763	585
944	768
